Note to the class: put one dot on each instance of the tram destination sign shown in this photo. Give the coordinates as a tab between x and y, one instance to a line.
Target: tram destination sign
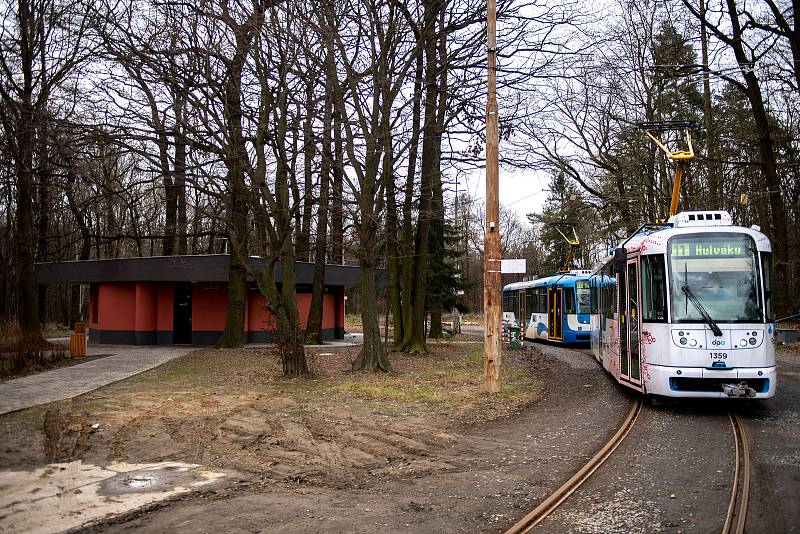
716	249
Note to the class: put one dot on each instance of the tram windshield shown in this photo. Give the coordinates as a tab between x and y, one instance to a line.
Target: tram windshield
720	275
583	296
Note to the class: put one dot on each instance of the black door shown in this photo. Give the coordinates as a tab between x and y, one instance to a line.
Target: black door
554	316
182	316
633	320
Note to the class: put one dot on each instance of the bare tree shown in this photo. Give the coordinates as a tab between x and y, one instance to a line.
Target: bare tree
43	44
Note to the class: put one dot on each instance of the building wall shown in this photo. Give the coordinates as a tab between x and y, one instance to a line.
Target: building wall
116	314
164	309
141	313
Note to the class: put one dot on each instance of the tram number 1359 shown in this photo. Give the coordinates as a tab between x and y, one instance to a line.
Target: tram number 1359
718	355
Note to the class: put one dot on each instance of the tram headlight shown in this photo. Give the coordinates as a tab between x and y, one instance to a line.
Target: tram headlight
743	342
693	343
683	341
752	341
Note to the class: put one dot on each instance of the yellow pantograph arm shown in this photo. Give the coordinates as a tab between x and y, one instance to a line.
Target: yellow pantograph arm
677	154
568	240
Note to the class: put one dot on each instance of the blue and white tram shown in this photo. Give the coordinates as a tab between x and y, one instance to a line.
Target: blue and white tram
553	308
685	309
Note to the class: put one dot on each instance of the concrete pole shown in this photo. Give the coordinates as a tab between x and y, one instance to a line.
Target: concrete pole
492	295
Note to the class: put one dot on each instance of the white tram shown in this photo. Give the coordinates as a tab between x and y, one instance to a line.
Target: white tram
685	309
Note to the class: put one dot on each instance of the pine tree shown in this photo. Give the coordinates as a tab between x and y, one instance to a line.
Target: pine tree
445	283
562	211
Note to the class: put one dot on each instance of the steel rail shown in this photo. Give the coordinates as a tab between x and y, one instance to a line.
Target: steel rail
739	493
527	523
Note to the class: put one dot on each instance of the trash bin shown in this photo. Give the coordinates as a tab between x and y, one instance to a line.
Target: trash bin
77	345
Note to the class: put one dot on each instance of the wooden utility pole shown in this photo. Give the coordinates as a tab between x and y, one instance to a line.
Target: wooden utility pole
492	296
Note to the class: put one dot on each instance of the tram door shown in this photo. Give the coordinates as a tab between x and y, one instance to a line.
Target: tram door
632	322
523	316
554	319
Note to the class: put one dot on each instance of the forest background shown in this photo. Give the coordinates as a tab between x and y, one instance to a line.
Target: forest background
346	131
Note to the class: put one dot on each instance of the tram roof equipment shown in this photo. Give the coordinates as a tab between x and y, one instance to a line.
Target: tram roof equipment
680	157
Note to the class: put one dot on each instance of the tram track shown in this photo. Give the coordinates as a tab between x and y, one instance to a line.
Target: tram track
527	523
736	516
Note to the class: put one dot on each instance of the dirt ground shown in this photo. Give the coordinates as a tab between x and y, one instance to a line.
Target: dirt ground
306	449
419	449
233	411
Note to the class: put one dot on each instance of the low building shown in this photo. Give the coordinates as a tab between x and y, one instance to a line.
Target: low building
167	300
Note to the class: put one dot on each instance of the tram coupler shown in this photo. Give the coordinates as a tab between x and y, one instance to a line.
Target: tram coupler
740	390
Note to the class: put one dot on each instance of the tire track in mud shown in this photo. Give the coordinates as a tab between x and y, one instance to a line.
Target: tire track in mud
272	438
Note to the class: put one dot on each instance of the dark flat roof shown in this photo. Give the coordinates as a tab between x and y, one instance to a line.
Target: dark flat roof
205	268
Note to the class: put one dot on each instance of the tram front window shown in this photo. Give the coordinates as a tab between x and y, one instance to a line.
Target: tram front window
721	272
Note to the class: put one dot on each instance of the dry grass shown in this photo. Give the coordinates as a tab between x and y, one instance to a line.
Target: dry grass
447	381
22	353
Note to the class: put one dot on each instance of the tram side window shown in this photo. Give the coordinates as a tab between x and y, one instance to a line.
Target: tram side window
569	300
654	289
539	300
529	300
609	292
593	297
769	295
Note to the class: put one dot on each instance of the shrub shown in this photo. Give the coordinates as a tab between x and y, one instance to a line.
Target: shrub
22	353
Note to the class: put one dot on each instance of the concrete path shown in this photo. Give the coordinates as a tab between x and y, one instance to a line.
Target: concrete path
68	382
125	361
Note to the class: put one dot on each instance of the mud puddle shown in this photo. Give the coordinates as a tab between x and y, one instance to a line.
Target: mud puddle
63	496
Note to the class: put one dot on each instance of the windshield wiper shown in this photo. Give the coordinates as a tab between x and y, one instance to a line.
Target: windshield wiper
691	296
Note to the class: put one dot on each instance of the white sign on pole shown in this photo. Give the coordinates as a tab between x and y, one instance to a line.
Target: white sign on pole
512	266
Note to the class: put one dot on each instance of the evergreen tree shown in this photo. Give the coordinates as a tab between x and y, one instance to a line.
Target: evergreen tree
445	280
563	211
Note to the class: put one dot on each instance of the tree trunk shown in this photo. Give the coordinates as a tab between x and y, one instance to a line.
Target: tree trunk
407	234
712	167
290	337
233	335
314	323
43	173
437	222
393	263
765	146
304	240
25	238
235	158
416	342
180	179
337	198
373	355
282	302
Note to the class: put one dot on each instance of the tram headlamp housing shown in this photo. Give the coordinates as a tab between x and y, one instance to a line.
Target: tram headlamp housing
753	341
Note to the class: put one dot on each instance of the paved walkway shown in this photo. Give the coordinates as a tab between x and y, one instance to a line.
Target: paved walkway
125	361
68	382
